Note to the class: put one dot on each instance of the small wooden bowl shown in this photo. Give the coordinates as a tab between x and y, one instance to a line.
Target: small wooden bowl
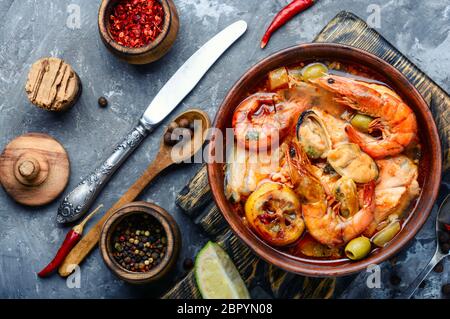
173	242
430	167
148	53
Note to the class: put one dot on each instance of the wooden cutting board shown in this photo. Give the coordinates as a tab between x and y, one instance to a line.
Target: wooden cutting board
267	281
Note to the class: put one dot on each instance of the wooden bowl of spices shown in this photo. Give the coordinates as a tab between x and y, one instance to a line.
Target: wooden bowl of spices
140	242
138	31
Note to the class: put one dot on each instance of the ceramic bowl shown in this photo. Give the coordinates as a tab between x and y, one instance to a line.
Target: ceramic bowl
429	170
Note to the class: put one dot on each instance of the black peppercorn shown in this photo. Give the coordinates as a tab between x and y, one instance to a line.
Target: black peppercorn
446	289
330	81
445	248
439	267
188	263
102	101
444	237
176	136
395	279
184	123
172	126
168	140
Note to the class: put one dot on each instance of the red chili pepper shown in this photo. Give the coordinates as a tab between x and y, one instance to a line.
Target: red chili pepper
135	23
72	237
292	9
447	226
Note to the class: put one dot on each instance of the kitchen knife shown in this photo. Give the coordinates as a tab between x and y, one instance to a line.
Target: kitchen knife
173	92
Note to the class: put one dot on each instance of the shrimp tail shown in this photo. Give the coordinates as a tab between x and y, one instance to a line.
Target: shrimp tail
359	222
354	136
376	149
369	194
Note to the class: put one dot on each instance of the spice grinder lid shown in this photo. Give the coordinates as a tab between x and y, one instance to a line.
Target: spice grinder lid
34	169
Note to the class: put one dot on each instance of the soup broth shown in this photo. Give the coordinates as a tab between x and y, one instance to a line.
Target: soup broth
325	162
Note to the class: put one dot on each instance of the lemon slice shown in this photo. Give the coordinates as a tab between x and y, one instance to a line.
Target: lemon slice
217	276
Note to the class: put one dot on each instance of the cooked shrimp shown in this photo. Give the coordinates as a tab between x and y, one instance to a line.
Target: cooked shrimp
320	210
246	169
327	226
262	120
301	173
393	118
397	186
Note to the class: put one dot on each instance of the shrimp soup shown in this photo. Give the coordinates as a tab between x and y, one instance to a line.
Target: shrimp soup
325	161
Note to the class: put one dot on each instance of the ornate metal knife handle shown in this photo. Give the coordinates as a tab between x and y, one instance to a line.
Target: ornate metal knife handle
80	199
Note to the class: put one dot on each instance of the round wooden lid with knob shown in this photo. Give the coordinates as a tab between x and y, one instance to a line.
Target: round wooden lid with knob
34	169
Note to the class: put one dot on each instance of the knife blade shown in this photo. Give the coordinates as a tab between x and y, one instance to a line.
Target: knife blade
77	202
191	72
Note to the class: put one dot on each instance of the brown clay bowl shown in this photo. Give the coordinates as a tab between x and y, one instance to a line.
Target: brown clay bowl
173	242
429	171
146	54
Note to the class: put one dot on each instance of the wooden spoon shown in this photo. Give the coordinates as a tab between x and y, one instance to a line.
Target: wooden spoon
166	157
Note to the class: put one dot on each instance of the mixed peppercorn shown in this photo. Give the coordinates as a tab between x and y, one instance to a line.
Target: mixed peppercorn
139	243
135	23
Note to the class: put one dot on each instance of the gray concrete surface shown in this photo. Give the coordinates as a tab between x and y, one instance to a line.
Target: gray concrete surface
30	29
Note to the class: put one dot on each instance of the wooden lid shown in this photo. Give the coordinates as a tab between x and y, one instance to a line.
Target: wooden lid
34	169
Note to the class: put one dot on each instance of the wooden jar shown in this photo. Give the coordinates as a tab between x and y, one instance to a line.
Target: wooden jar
173	242
148	53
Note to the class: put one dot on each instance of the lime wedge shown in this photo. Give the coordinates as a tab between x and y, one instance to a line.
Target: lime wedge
217	276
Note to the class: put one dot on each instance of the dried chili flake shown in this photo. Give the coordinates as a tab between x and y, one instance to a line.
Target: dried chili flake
135	23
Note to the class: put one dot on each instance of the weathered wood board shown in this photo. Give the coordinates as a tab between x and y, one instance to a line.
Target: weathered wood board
267	281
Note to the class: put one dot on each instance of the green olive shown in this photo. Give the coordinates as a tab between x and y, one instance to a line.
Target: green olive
386	234
313	71
358	248
361	122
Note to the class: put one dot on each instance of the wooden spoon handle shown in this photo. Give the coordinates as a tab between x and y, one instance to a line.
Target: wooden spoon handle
88	242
